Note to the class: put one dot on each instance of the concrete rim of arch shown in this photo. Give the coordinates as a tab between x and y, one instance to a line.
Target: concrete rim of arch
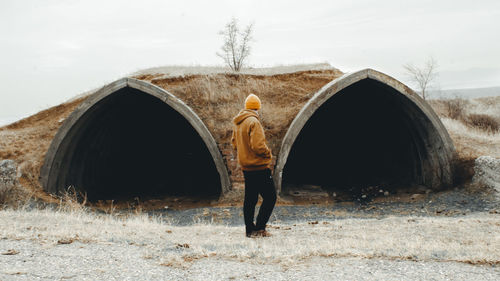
64	135
445	149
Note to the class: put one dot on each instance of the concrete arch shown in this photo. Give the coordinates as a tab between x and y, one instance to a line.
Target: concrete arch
55	164
435	150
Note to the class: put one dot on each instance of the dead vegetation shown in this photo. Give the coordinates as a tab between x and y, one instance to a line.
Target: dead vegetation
482	113
482	122
15	196
473	127
467	239
26	142
472	124
455	108
217	96
471	112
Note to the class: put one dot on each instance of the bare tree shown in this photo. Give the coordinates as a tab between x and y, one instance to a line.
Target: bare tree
236	47
422	76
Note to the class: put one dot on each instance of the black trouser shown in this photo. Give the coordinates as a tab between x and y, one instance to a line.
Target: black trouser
258	182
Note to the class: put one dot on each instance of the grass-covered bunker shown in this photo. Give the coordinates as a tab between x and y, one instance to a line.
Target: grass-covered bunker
362	129
130	139
156	135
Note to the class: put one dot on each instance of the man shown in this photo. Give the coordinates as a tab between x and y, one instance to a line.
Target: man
254	157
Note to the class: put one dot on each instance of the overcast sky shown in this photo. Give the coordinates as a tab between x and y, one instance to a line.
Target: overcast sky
52	50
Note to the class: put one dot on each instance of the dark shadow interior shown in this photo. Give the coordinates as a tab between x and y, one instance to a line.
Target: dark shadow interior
132	144
363	136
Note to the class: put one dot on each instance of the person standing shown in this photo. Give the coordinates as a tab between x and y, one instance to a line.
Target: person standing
254	158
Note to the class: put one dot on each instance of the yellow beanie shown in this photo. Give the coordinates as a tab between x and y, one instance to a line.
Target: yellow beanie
252	102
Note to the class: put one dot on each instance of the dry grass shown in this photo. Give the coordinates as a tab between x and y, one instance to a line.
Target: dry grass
457	107
182	70
217	98
488	105
26	141
72	201
215	95
482	122
471	141
451	108
481	113
469	239
14	196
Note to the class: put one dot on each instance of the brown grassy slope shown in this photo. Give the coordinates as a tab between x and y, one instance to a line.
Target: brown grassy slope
470	142
26	141
217	98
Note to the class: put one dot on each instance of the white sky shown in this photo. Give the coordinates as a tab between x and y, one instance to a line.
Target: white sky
52	50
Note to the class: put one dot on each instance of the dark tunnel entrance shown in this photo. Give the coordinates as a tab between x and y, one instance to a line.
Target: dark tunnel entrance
363	137
132	144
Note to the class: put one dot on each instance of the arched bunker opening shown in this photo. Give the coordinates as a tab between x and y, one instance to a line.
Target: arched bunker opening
132	144
363	139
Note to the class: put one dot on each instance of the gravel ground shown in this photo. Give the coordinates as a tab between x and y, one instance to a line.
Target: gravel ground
109	261
453	203
104	255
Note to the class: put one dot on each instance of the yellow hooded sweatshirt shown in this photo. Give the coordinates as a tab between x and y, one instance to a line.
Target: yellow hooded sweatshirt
250	142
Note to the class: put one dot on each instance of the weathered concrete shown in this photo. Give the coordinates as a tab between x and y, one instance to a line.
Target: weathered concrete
435	151
55	165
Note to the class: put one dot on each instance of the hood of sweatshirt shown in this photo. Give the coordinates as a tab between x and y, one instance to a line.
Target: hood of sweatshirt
244	114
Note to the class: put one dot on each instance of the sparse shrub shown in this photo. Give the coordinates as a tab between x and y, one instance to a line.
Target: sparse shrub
72	200
29	171
455	108
483	122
